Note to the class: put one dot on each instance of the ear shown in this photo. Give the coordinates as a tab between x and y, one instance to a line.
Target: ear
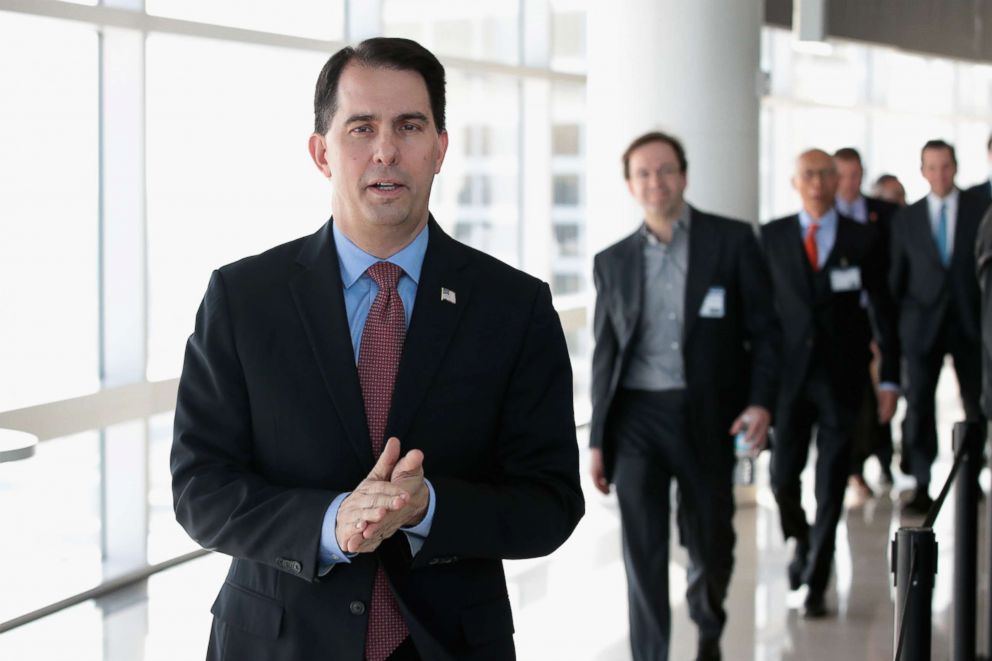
442	139
318	152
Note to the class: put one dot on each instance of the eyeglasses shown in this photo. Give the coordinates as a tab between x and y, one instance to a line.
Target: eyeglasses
663	171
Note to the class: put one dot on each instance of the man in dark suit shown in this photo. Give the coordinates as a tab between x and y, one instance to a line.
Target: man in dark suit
983	191
983	264
685	356
932	277
871	437
313	363
821	263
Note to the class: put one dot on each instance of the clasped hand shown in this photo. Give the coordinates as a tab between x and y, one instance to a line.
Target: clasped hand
394	495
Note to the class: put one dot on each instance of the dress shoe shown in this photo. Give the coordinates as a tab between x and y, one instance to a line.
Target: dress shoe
709	650
798	565
886	480
860	487
920	503
815	606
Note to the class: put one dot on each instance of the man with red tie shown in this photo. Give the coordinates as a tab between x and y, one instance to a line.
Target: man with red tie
821	262
372	417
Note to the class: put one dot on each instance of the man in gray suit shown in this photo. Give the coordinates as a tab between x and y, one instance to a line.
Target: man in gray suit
685	357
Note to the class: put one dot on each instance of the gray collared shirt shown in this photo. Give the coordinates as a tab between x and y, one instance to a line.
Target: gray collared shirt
656	360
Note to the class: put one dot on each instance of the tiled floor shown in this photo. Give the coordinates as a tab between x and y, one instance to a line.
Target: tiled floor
572	605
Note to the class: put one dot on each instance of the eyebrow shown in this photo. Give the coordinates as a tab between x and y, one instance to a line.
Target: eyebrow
402	117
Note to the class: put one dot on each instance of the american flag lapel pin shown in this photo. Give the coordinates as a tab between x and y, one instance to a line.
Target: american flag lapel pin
448	295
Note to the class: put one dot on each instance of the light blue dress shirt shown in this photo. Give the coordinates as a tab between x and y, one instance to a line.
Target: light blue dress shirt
826	234
856	210
359	293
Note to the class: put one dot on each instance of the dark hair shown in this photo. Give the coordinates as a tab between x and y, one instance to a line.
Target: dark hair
848	154
939	144
655	136
378	53
886	178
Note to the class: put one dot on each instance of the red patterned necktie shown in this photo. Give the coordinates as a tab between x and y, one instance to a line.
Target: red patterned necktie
378	360
811	252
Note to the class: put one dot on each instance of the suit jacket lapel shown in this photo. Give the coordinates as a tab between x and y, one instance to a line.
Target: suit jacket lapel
922	233
704	255
628	274
794	256
431	328
318	294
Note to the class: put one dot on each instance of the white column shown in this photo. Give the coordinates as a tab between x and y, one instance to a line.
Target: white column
689	68
123	285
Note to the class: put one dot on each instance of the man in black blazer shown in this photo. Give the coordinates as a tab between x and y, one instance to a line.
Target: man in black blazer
933	281
983	191
303	368
686	355
821	263
870	436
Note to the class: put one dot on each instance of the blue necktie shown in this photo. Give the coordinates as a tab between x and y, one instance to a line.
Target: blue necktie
941	235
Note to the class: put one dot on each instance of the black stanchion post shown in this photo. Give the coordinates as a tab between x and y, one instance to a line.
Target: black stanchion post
969	436
914	562
988	551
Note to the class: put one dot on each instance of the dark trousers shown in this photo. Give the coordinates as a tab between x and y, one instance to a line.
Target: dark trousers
919	427
653	447
816	405
870	437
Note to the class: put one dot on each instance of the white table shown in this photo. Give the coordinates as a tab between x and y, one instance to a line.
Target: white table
15	445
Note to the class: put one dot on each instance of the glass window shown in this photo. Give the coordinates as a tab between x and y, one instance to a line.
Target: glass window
566	283
567	240
565	139
49	235
565	190
50	515
476	194
568	35
479	31
318	19
229	174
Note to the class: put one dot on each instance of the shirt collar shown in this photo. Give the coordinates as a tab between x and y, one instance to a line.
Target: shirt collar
828	220
935	200
850	207
355	262
681	223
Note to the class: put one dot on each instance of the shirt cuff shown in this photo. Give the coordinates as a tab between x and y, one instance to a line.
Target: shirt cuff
417	535
330	553
888	385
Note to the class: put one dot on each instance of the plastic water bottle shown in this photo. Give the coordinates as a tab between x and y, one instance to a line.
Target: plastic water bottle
744	469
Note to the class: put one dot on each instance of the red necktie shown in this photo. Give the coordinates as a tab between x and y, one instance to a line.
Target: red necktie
378	360
810	243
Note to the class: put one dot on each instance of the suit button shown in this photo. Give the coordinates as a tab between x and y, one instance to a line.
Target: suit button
357	608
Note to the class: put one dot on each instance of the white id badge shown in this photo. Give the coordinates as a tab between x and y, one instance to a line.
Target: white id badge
846	279
712	307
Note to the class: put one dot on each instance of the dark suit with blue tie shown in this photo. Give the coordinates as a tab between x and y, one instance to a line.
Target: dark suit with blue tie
939	310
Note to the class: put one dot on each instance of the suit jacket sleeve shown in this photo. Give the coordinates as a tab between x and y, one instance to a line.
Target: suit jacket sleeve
604	357
219	499
532	500
761	322
884	312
